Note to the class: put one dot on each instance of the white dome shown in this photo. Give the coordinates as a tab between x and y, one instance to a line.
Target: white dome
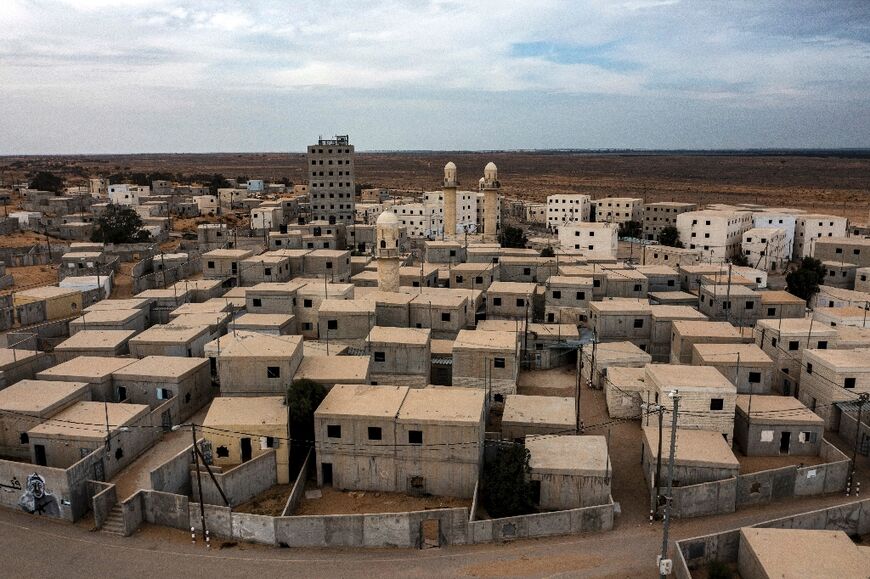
482	181
490	167
450	165
387	218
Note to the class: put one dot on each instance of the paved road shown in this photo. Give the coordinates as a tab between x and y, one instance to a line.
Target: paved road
41	547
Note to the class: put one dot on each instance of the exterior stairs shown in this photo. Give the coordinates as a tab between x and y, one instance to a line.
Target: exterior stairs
114	523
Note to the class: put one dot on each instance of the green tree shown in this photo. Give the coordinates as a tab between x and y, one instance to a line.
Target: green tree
119	224
631	229
670	236
506	488
46	181
548	252
303	398
805	280
512	237
740	259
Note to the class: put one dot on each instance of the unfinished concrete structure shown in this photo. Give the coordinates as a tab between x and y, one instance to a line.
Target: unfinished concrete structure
488	361
687	333
701	457
745	365
569	472
241	429
831	376
256	364
95	371
400	356
154	380
528	415
785	341
777	425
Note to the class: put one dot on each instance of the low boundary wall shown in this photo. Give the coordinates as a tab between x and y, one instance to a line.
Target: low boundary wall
240	484
298	490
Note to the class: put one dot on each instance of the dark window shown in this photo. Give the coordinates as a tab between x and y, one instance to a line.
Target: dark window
527	271
750	305
328	265
374	433
333	430
24	438
849	383
638	323
754	377
520	302
211	265
331	324
306	303
445	316
478	279
596	283
581	295
637	287
415	437
772	342
273	372
267	271
793	345
557	294
380	357
717	404
498	362
823	345
496	301
809	368
222	452
771	311
258	302
459	279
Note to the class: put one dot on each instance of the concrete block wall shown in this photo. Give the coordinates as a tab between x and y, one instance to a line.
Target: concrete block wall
763	487
584	520
704	499
240	484
173	476
104	500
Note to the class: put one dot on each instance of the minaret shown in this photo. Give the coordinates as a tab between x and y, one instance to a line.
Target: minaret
449	189
387	251
489	186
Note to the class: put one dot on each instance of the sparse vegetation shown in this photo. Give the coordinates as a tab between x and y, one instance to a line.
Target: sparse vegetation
548	252
506	488
512	237
46	181
805	280
740	260
303	398
119	224
632	229
670	236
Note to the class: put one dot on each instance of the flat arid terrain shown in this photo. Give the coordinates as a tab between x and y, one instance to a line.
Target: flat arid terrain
836	182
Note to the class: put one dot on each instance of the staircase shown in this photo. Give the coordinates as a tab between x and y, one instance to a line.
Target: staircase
114	523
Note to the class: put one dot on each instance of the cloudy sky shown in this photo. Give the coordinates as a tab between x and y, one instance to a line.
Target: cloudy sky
87	76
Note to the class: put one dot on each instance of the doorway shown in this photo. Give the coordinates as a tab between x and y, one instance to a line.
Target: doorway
39	451
326	472
430	533
784	442
246	449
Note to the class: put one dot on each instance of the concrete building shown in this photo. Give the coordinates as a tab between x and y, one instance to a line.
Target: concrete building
109	319
273	298
171	340
273	324
785	341
717	234
670	256
331	185
658	216
27	403
266	267
46	303
488	361
701	457
489	186
308	300
843	316
345	321
224	264
536	213
675	298
832	297
626	283
662	318
831	376
445	313
839	274
768	219
781	304
776	552
569	472
334	369
620	320
448	252
626	392
154	380
745	365
596	360
241	429
566	209
618	209
777	425
387	252
598	240
473	275
809	228
19	364
528	269
855	250
707	398
660	278
331	264
95	371
102	343
737	304
687	333
511	301
255	364
567	299
528	415
766	249
400	356
390	438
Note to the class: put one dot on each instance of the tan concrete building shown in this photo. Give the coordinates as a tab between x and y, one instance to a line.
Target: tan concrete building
618	209
399	356
154	380
785	341
597	360
331	264
707	397
626	392
528	415
569	472
105	343
830	376
511	300
701	457
333	368
256	364
241	429
745	365
717	234
266	267
766	248
488	361
308	300
670	256
662	319
46	303
274	324
620	320
736	304
781	304
775	552
116	319
445	313
224	264
19	364
589	239
777	425
658	216
687	333
170	340
473	275
95	371
809	228
855	250
345	321
660	278
839	274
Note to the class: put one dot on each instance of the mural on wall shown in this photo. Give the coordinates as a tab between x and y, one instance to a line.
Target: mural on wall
36	499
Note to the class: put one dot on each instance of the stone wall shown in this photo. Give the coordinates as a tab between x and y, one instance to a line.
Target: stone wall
240	484
103	502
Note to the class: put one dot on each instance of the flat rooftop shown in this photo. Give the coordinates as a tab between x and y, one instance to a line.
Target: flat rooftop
164	367
628	379
606	352
665	312
578	455
779	297
626	306
554	331
107	316
703	328
228	253
732	354
86	368
777	410
167	334
362	400
70	422
569	280
723	292
512	287
444	405
248	344
96	339
262	320
820	554
409	336
478	340
209	307
857	360
672	376
10	357
35	397
796	327
124	304
333	369
246	410
329	306
46	292
701	448
555	411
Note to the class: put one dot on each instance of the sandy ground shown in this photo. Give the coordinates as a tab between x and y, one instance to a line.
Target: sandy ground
336	502
22	239
271	502
32	276
750	464
137	475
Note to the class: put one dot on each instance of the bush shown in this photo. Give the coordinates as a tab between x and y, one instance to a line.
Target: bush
506	489
548	252
45	181
805	280
670	236
630	229
303	398
512	237
119	224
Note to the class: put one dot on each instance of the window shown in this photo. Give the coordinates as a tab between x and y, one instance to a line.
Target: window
267	271
809	368
496	301
328	265
222	452
498	362
23	438
772	342
375	433
459	279
754	377
273	372
638	323
306	303
581	295
771	311
527	271
793	345
333	430
331	324
211	265
596	283
164	394
445	316
478	279
849	383
258	302
823	345
415	437
520	302
557	294
380	356
717	404
750	305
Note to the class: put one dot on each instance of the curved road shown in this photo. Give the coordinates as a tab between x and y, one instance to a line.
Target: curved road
32	546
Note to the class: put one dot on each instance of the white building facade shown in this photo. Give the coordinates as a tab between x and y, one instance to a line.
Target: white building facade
562	209
718	235
589	239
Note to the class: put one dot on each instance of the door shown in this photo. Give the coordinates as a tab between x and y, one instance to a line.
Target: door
166	420
246	449
99	471
326	470
784	441
430	533
39	451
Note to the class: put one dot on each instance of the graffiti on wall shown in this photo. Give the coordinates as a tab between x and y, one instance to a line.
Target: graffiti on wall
36	499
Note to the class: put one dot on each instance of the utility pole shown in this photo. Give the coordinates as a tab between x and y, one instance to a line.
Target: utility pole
199	484
665	564
661	412
862	400
577	401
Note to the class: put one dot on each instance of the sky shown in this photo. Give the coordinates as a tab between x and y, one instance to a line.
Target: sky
135	76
